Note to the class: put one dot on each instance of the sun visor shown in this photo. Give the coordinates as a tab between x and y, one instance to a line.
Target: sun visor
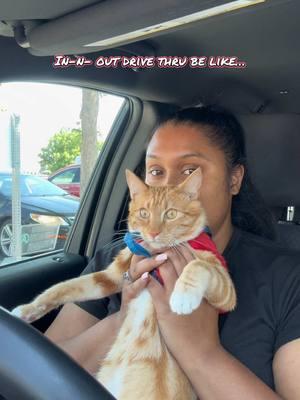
113	23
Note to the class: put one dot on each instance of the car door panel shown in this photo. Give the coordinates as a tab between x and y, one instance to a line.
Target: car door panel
20	283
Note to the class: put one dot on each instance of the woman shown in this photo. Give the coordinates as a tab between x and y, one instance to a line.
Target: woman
254	352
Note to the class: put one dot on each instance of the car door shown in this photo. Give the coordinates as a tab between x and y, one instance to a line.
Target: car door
76	182
67	180
22	280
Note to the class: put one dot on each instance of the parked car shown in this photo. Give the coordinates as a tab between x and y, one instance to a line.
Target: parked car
41	203
67	178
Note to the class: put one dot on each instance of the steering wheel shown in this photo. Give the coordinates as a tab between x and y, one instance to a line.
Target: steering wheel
33	368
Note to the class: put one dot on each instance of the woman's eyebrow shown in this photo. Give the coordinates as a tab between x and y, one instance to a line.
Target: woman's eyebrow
188	155
197	154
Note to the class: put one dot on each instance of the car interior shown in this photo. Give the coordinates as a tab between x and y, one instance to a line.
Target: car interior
265	96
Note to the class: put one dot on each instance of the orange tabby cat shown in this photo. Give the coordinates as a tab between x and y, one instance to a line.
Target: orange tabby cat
139	365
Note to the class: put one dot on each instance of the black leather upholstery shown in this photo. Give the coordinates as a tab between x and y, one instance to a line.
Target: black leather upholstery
289	235
273	151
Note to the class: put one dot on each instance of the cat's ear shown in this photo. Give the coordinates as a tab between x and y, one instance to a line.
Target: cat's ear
192	184
135	184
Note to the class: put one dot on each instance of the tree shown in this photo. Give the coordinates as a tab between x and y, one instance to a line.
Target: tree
62	149
90	147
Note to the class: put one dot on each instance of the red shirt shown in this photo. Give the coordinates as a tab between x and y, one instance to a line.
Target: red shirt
205	242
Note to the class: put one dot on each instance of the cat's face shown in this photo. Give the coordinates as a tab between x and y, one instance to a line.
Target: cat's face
166	215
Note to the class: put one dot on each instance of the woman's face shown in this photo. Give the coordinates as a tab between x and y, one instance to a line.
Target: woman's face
176	150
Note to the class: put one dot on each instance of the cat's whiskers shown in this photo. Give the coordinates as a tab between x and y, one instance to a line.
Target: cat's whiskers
113	244
118	232
185	244
110	247
122	220
138	236
113	238
175	247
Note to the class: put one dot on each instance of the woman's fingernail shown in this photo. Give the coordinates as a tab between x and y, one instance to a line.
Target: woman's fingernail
161	257
145	276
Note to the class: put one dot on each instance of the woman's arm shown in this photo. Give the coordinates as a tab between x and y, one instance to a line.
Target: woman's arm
81	335
218	375
194	341
212	371
286	368
70	321
91	346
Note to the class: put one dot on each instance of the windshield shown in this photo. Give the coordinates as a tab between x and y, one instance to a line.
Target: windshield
30	186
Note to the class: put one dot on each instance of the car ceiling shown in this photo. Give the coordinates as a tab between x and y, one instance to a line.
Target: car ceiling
265	36
35	9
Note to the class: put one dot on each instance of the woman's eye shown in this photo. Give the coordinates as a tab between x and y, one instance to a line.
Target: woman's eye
144	213
189	171
155	172
171	214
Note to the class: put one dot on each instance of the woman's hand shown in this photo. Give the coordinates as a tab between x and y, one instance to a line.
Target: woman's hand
196	332
139	275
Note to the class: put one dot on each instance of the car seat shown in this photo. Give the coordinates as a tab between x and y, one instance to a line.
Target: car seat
273	152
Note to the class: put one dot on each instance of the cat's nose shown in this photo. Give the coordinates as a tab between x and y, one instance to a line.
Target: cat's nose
154	234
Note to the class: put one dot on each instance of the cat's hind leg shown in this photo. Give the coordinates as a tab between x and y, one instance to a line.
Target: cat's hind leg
86	287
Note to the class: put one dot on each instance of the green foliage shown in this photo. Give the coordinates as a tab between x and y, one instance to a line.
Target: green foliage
99	146
62	149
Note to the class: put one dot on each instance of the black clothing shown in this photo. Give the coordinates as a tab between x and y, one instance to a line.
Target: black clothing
267	281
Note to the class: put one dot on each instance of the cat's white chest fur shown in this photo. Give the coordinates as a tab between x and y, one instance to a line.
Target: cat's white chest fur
140	309
133	329
117	381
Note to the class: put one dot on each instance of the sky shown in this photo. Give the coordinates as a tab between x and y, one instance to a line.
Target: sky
44	109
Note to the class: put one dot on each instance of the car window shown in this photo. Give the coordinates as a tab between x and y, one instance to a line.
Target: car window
30	186
46	136
76	178
68	176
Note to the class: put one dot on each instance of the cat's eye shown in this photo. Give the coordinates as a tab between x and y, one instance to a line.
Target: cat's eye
144	213
171	214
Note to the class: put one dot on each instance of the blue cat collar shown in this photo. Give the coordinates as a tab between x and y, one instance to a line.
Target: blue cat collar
139	250
207	230
134	246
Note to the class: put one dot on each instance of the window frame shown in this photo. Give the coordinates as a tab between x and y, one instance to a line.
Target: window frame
113	142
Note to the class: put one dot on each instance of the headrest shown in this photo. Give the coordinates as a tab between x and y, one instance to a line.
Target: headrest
273	151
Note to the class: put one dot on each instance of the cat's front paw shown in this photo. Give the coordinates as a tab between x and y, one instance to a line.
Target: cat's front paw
185	301
29	312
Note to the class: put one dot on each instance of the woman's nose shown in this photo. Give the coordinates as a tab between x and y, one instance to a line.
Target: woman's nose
172	179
